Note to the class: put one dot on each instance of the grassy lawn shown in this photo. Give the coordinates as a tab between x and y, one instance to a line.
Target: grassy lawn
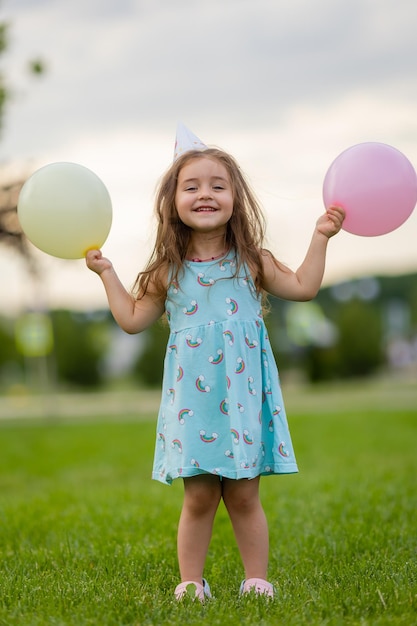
86	537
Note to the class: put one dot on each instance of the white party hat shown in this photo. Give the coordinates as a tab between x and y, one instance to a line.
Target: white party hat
186	140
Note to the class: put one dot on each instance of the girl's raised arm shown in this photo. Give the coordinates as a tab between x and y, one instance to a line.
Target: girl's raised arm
303	284
133	316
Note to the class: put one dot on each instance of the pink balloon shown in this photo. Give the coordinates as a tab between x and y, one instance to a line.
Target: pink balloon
375	184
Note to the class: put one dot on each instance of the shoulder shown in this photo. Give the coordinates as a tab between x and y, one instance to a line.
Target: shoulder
270	262
153	283
275	274
269	265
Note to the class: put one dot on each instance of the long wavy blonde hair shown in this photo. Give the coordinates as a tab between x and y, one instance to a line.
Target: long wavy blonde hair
244	233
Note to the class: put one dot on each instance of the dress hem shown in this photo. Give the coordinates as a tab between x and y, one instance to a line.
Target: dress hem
290	468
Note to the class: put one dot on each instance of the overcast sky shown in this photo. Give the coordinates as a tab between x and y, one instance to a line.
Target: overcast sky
285	86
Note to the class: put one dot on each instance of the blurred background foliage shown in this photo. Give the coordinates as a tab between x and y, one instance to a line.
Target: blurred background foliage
361	328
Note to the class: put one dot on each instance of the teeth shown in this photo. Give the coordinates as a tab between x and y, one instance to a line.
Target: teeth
205	209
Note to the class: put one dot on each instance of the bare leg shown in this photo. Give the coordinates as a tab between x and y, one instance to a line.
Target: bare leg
202	495
241	498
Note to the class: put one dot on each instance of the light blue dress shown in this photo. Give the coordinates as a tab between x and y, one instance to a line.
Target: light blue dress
222	410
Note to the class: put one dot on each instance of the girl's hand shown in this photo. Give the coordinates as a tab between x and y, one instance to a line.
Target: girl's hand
96	262
331	222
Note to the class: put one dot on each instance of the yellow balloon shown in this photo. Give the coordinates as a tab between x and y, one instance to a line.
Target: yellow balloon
65	210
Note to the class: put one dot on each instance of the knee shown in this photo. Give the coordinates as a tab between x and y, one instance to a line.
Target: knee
241	500
202	499
239	503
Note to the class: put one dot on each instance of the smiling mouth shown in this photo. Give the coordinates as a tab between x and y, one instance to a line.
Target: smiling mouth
205	209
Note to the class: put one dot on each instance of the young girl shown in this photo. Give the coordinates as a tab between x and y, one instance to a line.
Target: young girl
222	422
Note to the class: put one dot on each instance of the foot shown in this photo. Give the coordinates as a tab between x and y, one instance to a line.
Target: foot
260	586
193	590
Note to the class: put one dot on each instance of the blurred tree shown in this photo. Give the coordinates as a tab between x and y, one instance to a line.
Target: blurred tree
11	362
322	363
3	91
360	342
149	364
35	67
357	348
10	231
81	340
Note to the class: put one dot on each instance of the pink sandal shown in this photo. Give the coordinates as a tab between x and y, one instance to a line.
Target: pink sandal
194	590
258	585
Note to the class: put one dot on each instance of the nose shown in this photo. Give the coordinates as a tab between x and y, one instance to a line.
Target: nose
205	193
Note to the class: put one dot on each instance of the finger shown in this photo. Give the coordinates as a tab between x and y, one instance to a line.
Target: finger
337	215
339	211
94	255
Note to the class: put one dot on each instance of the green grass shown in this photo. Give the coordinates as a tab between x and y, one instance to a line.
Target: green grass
86	537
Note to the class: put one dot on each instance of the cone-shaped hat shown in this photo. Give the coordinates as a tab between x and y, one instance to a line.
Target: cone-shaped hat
186	140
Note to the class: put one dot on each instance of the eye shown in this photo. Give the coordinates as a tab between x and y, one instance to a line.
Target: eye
218	187
191	188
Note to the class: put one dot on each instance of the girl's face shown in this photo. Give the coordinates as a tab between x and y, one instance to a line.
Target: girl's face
204	196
